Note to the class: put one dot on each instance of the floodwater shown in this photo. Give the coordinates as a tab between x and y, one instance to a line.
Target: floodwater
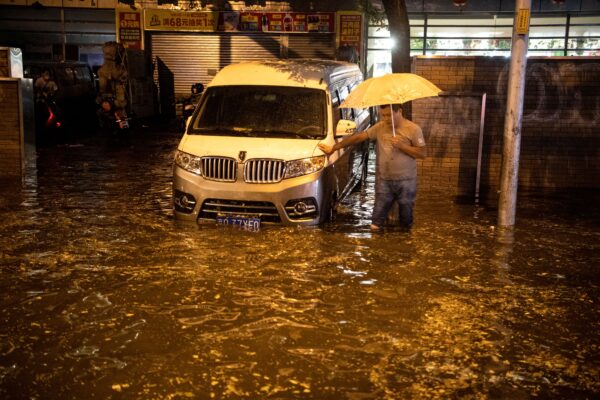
104	295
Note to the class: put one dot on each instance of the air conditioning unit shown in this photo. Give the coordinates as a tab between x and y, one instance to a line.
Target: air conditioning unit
11	62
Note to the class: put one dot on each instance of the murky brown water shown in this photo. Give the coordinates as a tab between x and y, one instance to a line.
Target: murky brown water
104	295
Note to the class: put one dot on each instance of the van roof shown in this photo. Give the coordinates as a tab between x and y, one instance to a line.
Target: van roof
311	73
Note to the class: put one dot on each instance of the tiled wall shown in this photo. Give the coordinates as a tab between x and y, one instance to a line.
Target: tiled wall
560	143
11	148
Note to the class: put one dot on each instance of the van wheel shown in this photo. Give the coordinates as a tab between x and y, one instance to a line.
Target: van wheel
329	212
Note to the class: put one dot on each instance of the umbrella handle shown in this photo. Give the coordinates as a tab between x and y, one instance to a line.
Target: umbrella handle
393	126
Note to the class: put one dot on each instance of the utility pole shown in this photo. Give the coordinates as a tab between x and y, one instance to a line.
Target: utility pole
509	179
64	36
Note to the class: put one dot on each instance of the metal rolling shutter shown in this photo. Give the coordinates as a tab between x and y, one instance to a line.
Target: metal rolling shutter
23	26
312	45
181	59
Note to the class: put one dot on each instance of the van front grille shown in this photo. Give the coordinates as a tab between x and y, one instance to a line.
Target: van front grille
263	171
266	211
219	169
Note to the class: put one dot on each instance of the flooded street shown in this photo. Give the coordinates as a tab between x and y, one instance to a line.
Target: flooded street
104	295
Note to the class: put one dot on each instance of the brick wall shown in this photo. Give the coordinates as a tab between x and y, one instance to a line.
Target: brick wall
4	62
11	146
560	127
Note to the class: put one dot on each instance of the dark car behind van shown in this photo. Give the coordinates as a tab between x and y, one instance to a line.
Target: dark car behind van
76	95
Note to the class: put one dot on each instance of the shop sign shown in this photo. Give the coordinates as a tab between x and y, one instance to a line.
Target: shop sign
129	29
523	21
297	22
79	3
170	20
350	29
234	21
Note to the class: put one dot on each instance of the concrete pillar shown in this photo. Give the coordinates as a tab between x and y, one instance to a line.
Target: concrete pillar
512	118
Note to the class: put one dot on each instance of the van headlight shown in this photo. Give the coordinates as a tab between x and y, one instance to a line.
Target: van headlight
188	162
303	167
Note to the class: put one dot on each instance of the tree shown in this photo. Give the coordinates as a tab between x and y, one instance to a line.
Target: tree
399	27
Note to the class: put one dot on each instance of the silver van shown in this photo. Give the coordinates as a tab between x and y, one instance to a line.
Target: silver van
249	153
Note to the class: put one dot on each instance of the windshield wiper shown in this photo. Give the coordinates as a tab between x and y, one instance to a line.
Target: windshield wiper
249	132
220	130
288	134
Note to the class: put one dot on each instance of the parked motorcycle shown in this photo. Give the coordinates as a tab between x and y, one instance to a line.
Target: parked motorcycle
48	121
188	104
113	122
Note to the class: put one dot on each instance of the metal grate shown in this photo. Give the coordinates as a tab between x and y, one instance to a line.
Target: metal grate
219	169
263	171
266	211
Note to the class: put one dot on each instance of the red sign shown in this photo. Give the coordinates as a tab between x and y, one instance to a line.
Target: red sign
129	29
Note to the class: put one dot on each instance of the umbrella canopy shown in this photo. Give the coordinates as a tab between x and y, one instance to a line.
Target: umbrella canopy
390	89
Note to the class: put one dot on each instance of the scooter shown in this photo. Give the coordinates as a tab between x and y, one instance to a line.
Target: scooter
53	120
113	121
121	130
121	119
49	122
189	104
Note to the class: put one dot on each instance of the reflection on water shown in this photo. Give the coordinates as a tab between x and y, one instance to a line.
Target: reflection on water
104	295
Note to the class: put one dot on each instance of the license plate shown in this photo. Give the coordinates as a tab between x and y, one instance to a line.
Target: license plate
251	224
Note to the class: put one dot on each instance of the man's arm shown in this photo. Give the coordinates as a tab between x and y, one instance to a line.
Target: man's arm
413	151
347	141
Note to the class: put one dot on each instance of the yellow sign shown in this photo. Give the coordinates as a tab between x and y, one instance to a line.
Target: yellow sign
350	30
168	20
523	21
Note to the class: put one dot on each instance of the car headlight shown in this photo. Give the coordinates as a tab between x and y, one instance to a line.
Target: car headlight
188	162
303	167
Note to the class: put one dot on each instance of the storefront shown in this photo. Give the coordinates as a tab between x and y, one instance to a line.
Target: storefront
190	47
484	28
53	33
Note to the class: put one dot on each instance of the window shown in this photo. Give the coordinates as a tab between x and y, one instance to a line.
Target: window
262	111
345	113
485	35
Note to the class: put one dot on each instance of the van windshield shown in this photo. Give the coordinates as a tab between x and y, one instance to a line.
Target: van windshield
262	111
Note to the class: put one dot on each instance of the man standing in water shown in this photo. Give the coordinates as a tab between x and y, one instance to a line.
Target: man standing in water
396	173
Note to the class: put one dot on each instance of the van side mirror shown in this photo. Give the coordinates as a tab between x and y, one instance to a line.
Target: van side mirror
345	127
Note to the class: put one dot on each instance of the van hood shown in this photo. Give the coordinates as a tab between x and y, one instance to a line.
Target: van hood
228	146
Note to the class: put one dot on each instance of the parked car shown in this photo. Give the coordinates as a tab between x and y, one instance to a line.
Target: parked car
249	154
75	95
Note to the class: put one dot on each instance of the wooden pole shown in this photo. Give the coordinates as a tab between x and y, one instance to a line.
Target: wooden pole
512	118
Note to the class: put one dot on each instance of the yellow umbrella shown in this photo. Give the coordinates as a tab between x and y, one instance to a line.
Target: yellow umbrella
390	89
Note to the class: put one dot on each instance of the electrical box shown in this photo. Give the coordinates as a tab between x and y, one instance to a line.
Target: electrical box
11	62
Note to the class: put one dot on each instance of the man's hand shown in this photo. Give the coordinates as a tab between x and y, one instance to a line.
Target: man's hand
325	148
401	144
347	141
398	142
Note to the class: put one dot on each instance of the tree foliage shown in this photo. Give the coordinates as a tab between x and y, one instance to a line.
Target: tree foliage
399	27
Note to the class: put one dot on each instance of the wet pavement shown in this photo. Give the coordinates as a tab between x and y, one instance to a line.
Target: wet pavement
104	295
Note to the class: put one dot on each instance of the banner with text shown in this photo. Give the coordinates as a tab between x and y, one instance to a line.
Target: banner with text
169	20
242	21
350	30
129	29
